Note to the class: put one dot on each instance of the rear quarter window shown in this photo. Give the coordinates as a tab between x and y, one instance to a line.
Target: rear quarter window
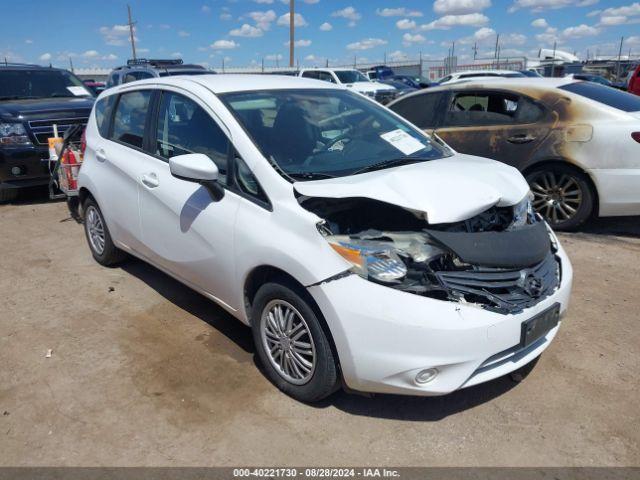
103	113
606	95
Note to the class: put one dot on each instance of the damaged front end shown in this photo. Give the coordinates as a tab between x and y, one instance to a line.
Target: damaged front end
503	259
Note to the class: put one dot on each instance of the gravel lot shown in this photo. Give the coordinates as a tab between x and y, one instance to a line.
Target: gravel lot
144	371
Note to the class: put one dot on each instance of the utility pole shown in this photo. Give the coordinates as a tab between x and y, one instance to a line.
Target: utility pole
553	60
292	28
133	38
495	52
619	58
71	65
475	50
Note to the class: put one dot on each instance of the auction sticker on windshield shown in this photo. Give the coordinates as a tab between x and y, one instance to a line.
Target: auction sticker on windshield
78	91
403	141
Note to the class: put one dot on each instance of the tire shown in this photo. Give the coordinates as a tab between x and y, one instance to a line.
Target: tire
7	195
562	195
302	364
99	239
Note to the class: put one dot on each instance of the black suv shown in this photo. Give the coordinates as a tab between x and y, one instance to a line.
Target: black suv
142	68
32	100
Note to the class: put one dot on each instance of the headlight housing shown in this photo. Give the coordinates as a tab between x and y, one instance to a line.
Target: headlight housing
13	134
371	259
523	212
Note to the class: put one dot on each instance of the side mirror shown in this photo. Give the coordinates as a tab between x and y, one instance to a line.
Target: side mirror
198	168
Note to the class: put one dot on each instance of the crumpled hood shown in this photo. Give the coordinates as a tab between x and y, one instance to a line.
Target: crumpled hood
446	190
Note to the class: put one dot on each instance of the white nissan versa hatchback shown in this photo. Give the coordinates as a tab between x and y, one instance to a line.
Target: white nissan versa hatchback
355	246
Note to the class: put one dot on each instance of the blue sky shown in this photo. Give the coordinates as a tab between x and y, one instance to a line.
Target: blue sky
243	32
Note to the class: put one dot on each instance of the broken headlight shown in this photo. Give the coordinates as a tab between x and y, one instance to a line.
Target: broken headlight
523	213
371	260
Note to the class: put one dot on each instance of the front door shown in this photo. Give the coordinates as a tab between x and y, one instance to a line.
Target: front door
497	125
185	231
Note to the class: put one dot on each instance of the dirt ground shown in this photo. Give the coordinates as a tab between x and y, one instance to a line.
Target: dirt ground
144	371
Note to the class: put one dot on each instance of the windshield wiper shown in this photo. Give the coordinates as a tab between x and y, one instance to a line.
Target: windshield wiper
388	163
310	175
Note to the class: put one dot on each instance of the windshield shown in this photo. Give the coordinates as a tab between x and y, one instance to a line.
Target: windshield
319	133
21	84
609	96
350	76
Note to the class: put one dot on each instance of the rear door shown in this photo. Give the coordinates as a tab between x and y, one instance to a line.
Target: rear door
423	110
494	124
185	231
121	159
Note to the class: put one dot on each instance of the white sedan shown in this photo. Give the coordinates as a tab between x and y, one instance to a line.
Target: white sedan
356	247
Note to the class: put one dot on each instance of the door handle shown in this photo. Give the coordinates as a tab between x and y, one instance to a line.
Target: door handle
521	139
101	156
150	180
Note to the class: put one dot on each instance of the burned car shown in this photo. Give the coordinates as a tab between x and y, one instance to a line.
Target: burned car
577	143
360	250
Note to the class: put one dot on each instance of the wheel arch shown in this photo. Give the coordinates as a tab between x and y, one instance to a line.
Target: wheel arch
262	274
573	166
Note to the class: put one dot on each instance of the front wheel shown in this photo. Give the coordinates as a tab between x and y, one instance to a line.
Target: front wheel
291	343
562	195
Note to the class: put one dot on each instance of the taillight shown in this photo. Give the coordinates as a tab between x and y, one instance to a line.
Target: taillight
636	136
83	142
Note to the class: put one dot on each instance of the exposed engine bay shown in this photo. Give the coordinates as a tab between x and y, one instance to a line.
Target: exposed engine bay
502	259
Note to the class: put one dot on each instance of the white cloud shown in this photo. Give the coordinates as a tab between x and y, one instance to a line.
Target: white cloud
326	26
298	20
246	30
448	21
224	45
540	5
366	44
549	36
311	2
28	41
619	15
513	39
263	20
264	1
183	33
117	36
398	12
409	39
273	56
45	57
90	54
540	23
225	15
205	9
580	31
110	57
299	43
484	33
397	55
176	54
348	13
459	7
406	24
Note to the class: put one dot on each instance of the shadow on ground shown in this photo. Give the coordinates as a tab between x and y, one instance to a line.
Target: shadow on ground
382	406
619	226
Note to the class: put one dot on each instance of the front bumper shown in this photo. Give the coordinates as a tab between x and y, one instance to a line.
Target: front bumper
32	163
384	337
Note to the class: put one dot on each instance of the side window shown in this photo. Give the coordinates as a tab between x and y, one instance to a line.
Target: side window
326	77
482	108
310	74
142	75
113	79
103	110
184	127
421	110
247	183
130	117
528	111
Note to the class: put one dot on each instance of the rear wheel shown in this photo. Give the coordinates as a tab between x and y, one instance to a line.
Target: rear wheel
291	343
101	245
562	195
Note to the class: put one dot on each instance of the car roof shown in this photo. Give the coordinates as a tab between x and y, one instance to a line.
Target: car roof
9	66
506	83
324	69
236	82
477	72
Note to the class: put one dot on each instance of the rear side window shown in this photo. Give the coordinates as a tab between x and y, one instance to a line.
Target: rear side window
491	108
103	111
184	127
130	118
310	74
421	110
608	96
